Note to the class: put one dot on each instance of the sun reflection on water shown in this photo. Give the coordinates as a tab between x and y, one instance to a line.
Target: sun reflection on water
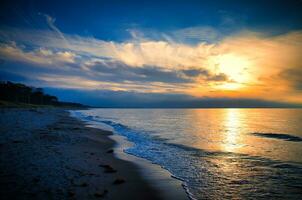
232	124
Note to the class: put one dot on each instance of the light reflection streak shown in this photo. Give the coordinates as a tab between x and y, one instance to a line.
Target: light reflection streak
232	125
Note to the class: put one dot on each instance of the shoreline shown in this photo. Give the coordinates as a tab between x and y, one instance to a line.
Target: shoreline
47	154
168	186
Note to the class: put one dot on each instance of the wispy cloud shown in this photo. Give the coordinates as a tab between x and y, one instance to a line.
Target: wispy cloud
51	23
197	34
40	56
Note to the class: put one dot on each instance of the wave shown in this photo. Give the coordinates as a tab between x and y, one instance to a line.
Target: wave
280	136
207	174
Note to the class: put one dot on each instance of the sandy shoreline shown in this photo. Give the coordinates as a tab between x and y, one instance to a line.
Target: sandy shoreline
46	154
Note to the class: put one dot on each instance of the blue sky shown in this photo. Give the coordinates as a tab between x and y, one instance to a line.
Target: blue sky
110	20
159	49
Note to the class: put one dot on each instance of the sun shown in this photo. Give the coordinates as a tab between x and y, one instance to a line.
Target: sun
235	67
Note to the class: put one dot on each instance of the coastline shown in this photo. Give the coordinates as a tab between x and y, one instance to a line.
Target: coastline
47	154
168	186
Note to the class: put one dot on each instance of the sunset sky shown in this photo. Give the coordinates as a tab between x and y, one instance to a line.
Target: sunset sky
118	53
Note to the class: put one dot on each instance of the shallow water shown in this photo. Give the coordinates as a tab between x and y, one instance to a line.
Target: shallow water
218	153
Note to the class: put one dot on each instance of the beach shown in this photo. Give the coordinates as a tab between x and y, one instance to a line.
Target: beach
46	154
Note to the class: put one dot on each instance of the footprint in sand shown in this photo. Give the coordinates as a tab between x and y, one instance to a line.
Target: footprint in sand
108	169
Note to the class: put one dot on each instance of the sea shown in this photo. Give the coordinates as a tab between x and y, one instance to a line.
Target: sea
216	153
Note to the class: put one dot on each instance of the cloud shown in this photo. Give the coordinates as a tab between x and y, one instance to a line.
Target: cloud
12	77
293	76
119	71
51	23
194	72
196	34
238	65
126	99
205	74
84	83
41	56
134	53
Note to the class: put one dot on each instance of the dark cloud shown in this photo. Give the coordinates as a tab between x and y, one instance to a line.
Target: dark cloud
105	71
118	71
205	74
108	98
8	76
293	76
218	77
195	72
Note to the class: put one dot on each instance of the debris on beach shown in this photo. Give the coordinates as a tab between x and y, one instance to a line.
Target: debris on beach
119	181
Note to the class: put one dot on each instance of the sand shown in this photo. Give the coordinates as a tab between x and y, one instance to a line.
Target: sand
46	154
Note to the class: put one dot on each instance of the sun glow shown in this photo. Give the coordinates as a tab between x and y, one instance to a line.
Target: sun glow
230	86
236	68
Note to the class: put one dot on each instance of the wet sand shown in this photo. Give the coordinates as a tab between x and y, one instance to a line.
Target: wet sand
46	154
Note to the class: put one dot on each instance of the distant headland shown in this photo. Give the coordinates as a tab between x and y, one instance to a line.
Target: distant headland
21	95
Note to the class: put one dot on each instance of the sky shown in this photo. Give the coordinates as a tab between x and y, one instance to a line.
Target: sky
156	53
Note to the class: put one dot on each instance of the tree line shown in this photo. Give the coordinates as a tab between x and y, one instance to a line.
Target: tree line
20	93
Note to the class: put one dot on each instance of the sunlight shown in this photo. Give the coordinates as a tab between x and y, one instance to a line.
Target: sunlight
235	67
232	125
230	86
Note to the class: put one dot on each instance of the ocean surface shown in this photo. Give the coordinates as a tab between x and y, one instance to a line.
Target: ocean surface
217	153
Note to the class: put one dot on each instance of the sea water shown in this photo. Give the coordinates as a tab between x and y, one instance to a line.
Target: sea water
217	153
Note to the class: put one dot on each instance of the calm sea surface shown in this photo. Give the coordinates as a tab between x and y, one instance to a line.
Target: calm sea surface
218	153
